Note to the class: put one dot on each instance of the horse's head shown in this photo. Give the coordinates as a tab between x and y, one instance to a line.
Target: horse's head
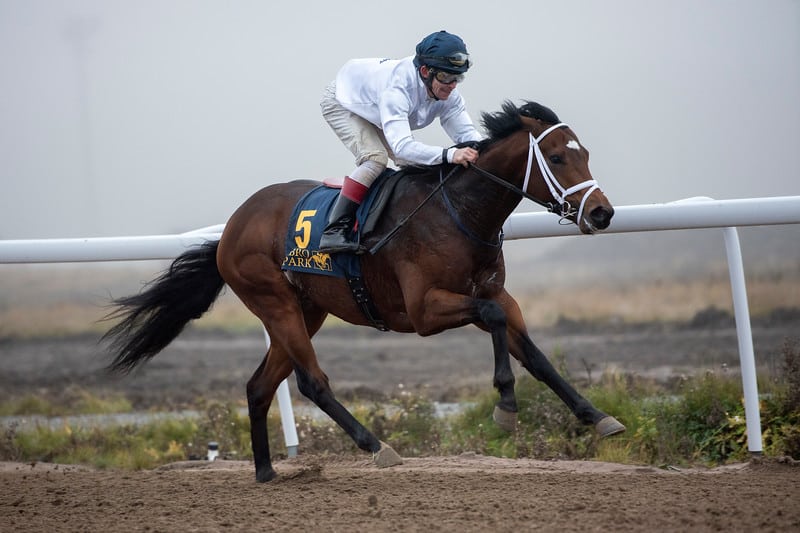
556	171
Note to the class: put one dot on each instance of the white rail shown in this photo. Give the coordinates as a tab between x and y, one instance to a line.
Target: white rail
691	213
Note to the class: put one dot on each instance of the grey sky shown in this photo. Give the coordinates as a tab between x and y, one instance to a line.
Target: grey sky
145	117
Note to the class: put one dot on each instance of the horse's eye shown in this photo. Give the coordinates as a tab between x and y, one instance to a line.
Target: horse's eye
556	159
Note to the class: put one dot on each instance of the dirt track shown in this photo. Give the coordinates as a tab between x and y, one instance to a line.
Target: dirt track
465	493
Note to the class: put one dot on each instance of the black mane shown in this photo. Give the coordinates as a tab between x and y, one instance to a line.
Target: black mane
503	123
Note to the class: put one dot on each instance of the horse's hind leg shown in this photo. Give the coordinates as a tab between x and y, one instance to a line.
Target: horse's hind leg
289	330
319	391
260	390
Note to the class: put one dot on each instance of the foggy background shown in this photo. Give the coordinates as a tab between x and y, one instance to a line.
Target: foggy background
148	117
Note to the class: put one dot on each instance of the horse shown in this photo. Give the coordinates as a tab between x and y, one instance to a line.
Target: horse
434	262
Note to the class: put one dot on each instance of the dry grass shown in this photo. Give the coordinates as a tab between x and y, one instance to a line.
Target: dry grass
57	319
659	300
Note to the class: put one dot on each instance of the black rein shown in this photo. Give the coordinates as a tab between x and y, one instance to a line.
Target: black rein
442	180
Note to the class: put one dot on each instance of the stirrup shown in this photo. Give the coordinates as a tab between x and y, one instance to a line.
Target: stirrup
335	248
337	243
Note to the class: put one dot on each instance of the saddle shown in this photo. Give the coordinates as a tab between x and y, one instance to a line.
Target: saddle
378	196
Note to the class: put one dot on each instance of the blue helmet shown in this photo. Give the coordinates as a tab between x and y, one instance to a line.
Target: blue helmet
443	51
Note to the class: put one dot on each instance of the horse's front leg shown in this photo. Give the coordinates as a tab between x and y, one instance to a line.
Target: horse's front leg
522	347
490	314
446	310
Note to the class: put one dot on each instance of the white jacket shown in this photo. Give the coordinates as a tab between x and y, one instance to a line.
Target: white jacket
390	94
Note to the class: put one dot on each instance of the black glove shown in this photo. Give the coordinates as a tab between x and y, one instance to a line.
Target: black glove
468	144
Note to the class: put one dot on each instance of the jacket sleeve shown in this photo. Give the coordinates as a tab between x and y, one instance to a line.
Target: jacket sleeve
395	106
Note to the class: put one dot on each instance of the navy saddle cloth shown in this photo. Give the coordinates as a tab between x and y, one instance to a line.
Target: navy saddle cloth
309	218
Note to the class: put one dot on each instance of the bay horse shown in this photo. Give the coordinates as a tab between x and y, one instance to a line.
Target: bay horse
439	269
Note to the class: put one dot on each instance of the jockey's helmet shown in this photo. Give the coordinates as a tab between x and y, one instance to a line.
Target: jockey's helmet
443	51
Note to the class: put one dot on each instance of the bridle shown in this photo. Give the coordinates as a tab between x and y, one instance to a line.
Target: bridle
559	193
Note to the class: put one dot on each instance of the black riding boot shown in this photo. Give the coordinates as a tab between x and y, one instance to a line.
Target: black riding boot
336	235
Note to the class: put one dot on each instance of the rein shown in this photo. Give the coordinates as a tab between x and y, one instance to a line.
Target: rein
402	223
465	230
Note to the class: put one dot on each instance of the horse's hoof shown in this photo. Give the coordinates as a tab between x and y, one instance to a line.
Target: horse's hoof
505	419
609	426
266	474
386	456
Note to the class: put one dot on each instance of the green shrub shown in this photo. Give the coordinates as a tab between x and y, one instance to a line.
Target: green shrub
780	411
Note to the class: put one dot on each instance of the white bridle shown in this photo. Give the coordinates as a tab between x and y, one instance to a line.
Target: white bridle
558	192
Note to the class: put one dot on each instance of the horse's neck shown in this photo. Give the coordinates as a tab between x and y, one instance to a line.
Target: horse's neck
488	203
482	205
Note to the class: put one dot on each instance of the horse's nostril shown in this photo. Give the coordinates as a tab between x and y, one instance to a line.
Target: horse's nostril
601	216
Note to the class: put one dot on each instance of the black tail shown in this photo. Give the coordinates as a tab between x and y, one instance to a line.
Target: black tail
154	317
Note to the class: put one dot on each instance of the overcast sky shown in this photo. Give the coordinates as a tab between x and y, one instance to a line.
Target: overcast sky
161	116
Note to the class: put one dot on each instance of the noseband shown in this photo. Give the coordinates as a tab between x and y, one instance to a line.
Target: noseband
558	192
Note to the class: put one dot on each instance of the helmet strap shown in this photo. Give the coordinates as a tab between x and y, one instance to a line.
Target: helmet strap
428	81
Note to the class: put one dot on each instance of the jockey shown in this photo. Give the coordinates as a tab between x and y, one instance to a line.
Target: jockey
373	106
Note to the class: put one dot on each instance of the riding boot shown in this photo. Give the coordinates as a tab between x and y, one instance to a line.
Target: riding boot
336	235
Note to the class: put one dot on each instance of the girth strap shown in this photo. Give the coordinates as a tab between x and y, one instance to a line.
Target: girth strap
365	303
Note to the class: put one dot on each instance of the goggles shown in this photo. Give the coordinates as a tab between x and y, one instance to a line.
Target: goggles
447	78
457	59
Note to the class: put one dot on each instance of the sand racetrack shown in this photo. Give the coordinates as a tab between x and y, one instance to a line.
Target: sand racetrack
464	493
